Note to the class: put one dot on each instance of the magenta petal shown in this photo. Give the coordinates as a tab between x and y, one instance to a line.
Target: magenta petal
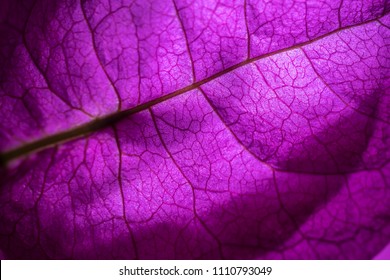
194	129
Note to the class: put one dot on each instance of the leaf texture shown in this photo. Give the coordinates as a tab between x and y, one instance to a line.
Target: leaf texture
194	129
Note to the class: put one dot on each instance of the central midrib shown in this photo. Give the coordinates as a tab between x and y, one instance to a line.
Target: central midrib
110	119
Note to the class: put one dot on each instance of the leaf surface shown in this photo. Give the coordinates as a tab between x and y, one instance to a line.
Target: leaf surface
194	129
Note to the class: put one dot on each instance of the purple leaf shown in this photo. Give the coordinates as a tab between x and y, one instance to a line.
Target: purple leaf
194	129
